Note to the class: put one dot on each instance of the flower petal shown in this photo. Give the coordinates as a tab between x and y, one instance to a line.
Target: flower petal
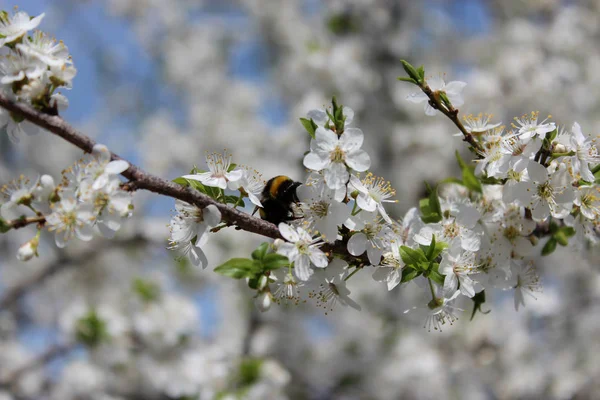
351	139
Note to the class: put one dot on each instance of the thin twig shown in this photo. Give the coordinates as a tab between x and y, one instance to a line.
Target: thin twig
452	114
24	221
139	179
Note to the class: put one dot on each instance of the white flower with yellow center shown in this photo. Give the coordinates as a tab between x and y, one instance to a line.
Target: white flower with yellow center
321	211
390	268
546	194
329	287
101	169
372	193
372	235
45	49
527	282
190	228
528	126
457	264
588	200
478	124
218	174
335	154
15	27
302	250
251	183
70	218
458	225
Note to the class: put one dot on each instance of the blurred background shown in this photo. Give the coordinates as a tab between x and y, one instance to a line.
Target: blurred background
162	82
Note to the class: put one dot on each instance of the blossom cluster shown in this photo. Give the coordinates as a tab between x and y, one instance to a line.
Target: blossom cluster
529	188
32	68
89	197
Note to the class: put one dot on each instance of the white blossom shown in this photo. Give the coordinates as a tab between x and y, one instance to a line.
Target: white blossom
218	174
302	250
321	212
334	154
12	28
70	218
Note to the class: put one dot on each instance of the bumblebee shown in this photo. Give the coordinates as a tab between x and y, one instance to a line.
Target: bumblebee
277	198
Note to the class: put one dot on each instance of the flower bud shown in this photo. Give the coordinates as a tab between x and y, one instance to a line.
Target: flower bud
28	250
277	243
560	148
263	301
263	282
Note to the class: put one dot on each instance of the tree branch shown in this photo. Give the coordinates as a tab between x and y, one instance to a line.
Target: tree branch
139	179
24	221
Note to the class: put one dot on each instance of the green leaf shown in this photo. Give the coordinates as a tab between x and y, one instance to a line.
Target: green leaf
468	176
568	231
412	256
410	70
435	251
431	248
181	181
435	276
431	210
4	227
310	126
239	268
407	79
549	247
235	200
561	238
261	251
421	72
552	135
274	261
232	166
408	274
478	300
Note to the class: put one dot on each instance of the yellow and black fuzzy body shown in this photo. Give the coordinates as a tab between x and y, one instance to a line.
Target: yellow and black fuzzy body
277	198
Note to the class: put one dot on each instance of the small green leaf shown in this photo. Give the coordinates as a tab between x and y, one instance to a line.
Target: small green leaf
310	126
478	300
181	181
421	72
435	276
568	231
232	166
409	274
561	238
261	251
235	200
4	227
274	261
549	247
410	70
412	256
468	176
239	268
552	135
407	79
431	248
